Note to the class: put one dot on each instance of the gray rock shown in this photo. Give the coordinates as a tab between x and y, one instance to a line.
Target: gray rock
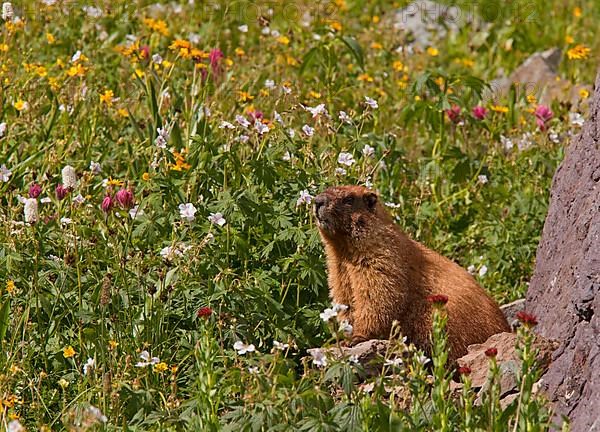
511	310
564	292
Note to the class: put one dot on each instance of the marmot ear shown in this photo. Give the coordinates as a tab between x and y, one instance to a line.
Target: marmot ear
371	200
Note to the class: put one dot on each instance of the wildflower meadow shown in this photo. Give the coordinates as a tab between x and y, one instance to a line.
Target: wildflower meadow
160	264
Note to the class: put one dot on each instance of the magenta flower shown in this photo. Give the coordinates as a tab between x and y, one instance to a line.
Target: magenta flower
35	190
543	115
61	192
453	113
214	58
479	112
125	198
107	203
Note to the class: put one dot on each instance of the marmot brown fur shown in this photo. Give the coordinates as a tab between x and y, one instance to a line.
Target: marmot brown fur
383	276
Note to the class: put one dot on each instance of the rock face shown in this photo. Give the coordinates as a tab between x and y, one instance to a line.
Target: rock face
564	292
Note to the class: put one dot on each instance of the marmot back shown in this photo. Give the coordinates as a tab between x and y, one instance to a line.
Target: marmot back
383	276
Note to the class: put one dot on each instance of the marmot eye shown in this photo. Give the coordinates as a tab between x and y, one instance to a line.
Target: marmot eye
348	200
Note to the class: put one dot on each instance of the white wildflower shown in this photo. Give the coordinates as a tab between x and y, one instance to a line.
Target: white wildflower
471	269
576	119
5	173
368	151
308	131
136	212
327	314
319	357
15	425
253	370
243	121
286	156
89	365
260	127
270	84
69	178
506	143
226	125
280	346
396	362
317	111
3	128
346	328
162	138
392	205
372	103
217	219
341	171
277	117
291	132
482	179
92	12
187	212
243	348
346	159
7	11
345	118
305	198
243	138
483	270
95	167
31	210
157	58
243	28
79	199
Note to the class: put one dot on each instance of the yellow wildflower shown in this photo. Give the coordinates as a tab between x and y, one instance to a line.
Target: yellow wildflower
50	38
577	12
264	92
335	25
584	93
375	19
239	52
69	352
433	52
21	105
180	163
398	66
284	40
376	46
41	71
114	182
139	73
531	99
166	64
499	109
76	70
63	383
341	4
107	97
578	52
122	112
182	46
569	40
314	94
158	26
365	77
3	47
10	286
112	345
146	176
245	96
160	367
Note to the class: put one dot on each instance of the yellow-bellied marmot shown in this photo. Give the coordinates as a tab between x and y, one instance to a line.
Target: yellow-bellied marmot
383	276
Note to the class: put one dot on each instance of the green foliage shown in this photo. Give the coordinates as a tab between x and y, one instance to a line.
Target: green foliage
101	305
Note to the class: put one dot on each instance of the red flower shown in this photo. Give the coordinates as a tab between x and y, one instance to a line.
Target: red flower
35	190
479	112
438	299
491	352
527	319
453	113
125	198
204	312
464	370
61	192
106	204
543	115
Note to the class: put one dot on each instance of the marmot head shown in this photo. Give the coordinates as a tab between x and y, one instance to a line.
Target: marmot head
349	212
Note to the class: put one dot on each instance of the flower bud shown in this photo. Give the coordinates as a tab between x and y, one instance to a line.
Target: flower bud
61	192
35	190
107	204
125	198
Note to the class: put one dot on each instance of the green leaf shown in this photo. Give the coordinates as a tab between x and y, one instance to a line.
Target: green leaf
355	49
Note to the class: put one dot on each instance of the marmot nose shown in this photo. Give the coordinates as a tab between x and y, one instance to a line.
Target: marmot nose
320	201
